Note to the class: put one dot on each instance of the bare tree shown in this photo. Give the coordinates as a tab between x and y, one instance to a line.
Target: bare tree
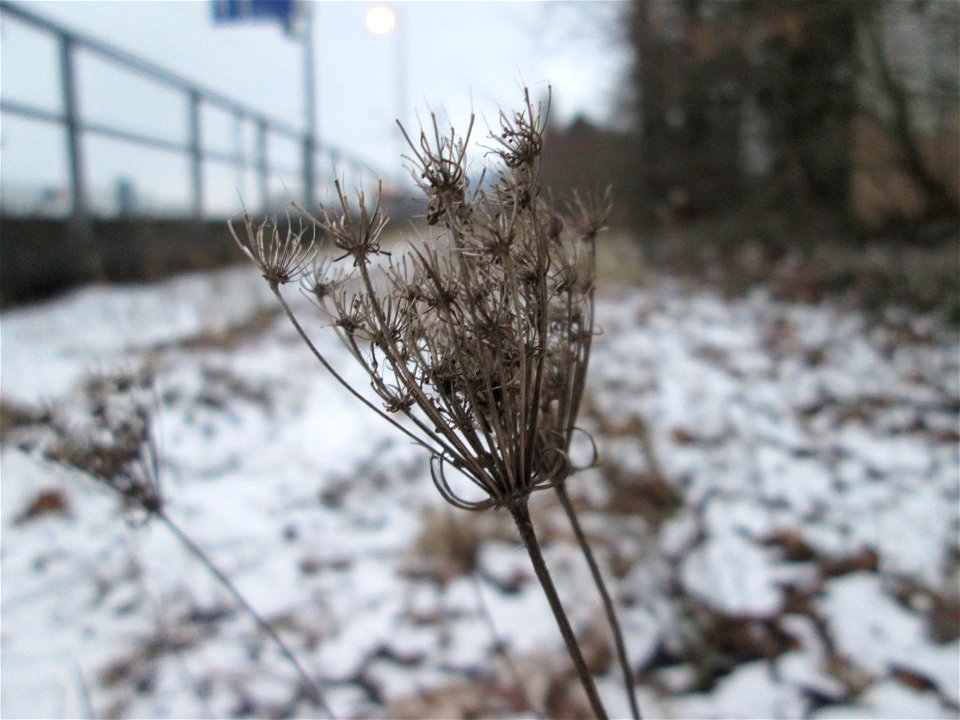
910	92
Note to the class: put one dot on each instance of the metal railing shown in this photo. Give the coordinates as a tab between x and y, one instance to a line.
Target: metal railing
76	127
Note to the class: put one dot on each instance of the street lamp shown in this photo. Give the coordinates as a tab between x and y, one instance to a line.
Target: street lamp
383	20
309	107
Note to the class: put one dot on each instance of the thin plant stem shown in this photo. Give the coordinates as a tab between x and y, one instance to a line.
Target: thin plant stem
310	686
521	516
500	644
336	376
564	497
84	691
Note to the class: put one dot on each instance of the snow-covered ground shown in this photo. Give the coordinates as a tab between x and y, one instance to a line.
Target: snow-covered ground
777	511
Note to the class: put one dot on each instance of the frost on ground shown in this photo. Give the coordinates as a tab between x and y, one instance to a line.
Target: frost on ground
777	510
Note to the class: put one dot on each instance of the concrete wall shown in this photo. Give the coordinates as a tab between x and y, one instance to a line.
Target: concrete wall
41	257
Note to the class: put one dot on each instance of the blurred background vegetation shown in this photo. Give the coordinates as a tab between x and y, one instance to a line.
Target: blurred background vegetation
812	145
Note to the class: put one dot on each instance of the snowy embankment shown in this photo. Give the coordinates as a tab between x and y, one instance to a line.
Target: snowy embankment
777	509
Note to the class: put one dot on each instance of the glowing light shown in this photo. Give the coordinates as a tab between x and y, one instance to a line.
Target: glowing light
381	19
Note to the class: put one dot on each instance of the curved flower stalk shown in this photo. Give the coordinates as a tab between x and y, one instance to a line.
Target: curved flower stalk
477	343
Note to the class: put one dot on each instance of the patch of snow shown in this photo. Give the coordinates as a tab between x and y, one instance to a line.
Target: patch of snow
890	700
750	691
733	575
766	417
804	485
884	455
887	637
807	673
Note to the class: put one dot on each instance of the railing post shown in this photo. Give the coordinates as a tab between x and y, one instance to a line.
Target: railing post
240	161
196	156
262	165
79	214
308	175
310	109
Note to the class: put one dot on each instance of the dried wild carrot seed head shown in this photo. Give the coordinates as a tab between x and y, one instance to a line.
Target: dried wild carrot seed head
480	336
281	260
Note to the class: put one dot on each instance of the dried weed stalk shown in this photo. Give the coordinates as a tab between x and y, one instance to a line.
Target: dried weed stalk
475	342
121	455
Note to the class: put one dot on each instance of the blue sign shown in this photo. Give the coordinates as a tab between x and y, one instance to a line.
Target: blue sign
239	10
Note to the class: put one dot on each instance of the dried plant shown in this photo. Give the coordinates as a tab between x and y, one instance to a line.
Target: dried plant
121	455
476	341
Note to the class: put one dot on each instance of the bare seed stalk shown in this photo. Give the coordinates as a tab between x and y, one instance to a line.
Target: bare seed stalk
608	606
478	339
521	516
308	685
500	645
136	480
586	210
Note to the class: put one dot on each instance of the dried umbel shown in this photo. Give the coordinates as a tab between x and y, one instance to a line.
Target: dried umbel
476	341
280	260
480	337
115	444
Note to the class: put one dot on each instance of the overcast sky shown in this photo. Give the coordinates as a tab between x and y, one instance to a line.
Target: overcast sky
456	56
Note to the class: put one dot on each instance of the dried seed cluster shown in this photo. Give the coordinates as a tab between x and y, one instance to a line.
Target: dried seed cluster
479	337
114	445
